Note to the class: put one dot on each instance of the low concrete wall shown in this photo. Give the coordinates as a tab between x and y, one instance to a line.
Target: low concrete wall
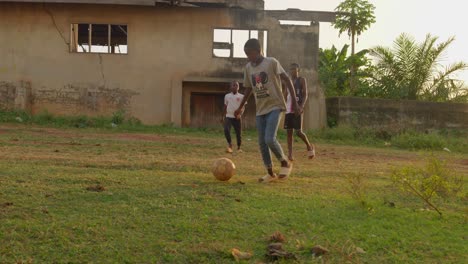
396	115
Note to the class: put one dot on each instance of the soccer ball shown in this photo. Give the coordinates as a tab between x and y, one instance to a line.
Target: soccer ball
223	169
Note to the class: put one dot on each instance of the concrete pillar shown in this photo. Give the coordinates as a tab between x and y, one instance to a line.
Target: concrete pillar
23	97
176	101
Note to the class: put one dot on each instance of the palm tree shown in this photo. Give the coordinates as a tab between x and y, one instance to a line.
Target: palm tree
412	70
354	17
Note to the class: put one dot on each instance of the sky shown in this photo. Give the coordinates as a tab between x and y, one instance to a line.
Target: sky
416	17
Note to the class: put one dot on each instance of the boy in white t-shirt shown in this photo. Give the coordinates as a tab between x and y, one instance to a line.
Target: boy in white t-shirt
232	102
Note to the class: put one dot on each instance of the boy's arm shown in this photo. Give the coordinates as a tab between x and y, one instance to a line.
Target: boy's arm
297	108
247	93
304	92
224	113
284	89
243	108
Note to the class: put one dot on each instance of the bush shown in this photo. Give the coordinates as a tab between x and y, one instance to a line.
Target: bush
412	140
433	181
133	121
341	133
357	187
43	118
118	117
14	116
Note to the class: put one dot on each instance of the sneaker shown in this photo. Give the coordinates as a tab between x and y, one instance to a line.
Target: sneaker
240	151
229	150
267	178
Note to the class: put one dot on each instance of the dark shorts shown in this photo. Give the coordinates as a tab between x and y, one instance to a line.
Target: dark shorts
293	121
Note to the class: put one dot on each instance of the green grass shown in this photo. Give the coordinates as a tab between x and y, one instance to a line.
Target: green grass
451	140
162	205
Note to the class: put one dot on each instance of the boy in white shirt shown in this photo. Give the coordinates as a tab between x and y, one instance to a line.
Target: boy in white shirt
232	102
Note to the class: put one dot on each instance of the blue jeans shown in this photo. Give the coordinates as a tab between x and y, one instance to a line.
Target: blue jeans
267	126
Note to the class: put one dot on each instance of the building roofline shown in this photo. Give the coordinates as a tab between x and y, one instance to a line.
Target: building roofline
103	2
300	15
290	14
246	4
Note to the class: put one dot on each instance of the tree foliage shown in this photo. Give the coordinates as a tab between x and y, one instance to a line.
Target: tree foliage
354	17
334	71
414	71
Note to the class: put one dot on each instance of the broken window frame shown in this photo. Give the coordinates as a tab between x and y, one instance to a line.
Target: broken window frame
74	39
230	46
305	23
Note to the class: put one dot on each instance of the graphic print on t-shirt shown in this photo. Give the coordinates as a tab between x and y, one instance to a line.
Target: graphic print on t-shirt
298	88
259	80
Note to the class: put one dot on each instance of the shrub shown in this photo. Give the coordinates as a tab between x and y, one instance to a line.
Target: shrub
412	140
118	117
338	133
43	118
357	187
432	181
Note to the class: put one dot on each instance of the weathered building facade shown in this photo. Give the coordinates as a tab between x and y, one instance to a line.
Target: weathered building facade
160	61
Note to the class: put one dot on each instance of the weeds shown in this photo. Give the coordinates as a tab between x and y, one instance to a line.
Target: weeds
46	119
413	140
118	117
357	188
428	183
448	140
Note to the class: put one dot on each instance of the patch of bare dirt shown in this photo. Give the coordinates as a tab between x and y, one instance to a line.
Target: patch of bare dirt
5	205
142	137
156	138
96	188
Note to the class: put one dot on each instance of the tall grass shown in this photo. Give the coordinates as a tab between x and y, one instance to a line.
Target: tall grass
444	140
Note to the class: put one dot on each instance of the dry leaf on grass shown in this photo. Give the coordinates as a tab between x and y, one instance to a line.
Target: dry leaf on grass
319	251
277	237
239	255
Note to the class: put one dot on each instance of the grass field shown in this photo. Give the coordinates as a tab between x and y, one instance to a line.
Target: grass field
103	196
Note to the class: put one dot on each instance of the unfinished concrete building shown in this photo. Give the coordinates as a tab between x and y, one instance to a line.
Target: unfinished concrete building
163	61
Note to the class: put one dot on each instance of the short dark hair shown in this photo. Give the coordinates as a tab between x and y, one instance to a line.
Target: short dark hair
253	44
295	65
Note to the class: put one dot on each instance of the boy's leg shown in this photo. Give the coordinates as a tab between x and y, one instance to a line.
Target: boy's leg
264	150
289	125
290	144
304	138
238	129
271	128
227	132
302	135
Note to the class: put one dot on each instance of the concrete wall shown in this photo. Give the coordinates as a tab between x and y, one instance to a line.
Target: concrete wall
166	47
395	115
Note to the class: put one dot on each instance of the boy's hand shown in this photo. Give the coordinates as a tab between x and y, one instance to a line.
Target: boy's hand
222	120
237	113
298	110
